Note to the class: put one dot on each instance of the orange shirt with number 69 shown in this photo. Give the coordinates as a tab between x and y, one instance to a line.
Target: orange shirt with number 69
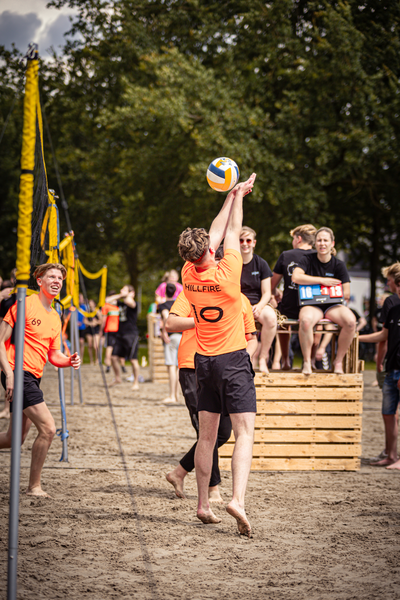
42	333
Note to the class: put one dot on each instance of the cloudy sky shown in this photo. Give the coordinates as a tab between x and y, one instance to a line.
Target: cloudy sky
25	21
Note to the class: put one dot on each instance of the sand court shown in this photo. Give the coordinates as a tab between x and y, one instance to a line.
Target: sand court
115	529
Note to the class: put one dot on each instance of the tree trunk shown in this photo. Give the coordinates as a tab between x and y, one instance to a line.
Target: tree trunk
374	262
132	264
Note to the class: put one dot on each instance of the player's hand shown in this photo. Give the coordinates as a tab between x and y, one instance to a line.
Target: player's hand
379	368
75	361
278	295
247	186
10	387
329	281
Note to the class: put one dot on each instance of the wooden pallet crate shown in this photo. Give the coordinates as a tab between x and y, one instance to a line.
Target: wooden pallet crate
158	370
306	423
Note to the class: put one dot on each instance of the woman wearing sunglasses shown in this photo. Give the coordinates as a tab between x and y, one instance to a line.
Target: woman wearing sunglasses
256	285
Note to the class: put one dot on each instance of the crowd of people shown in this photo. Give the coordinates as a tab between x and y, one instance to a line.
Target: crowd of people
225	319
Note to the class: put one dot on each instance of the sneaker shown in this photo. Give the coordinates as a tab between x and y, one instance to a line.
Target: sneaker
141	379
380	456
131	378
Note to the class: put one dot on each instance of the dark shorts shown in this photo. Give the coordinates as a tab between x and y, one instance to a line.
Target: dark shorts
225	383
82	333
289	312
92	330
32	394
111	337
126	346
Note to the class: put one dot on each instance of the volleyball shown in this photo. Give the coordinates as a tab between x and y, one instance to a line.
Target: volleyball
222	174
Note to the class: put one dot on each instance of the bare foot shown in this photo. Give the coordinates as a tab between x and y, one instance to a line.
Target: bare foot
338	368
5	414
37	491
374	383
385	462
170	401
135	387
214	497
276	366
262	365
395	466
177	482
207	516
286	366
114	382
307	369
239	514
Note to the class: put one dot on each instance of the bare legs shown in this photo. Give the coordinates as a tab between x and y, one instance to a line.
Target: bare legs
268	332
347	321
243	427
308	318
173	384
41	417
136	371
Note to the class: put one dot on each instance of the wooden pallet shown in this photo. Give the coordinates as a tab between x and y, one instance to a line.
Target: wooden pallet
158	370
306	423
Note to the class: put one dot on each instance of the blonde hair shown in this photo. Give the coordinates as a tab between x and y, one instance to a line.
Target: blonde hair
332	236
42	269
193	244
248	230
391	271
306	232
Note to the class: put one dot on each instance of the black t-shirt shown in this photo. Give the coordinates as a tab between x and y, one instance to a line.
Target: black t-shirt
7	304
334	268
392	324
252	275
391	301
127	319
165	306
285	266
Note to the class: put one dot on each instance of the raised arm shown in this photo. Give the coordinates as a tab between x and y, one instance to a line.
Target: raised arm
235	220
218	226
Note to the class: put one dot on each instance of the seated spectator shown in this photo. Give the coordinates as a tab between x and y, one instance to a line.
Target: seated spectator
288	302
170	277
323	268
256	286
171	345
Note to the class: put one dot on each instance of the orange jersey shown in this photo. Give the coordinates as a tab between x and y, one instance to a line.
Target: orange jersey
111	311
215	298
188	346
42	333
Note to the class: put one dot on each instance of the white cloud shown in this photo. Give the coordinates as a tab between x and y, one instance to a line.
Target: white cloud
18	29
25	21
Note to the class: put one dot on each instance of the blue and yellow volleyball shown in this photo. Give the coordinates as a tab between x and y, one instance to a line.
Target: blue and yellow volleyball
222	174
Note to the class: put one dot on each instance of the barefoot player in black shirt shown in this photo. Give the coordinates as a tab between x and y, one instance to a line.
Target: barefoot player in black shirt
324	269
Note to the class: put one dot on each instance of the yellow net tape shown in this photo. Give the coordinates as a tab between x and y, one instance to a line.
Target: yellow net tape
26	180
74	293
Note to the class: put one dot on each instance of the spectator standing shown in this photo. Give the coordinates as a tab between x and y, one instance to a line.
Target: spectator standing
171	345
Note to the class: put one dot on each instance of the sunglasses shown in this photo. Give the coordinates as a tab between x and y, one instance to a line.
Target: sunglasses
248	241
